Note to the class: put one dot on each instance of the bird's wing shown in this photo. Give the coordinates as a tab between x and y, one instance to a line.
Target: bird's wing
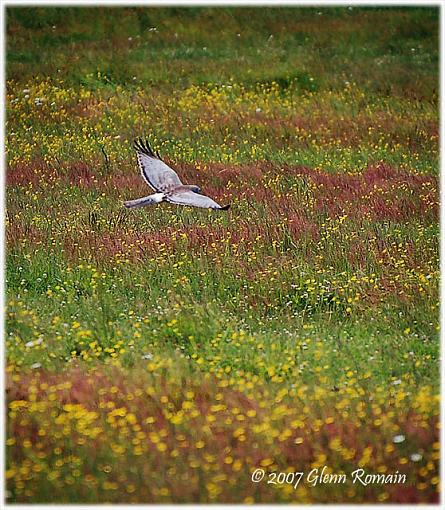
194	199
154	171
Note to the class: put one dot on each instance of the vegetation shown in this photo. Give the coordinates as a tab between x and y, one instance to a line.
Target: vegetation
163	354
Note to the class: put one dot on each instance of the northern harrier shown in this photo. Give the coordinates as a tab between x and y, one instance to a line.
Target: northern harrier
165	181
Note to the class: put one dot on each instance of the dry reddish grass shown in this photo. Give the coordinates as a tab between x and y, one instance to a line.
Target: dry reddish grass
94	390
380	193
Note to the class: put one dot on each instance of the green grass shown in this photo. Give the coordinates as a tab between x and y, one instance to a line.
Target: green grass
191	47
314	298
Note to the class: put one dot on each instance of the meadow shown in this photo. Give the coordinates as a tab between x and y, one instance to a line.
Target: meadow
163	354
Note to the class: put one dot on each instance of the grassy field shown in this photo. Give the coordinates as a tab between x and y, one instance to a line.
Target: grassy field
163	354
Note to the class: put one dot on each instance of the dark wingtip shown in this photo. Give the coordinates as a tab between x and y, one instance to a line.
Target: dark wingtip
144	147
224	208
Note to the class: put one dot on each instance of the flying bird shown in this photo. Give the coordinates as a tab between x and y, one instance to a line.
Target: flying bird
166	183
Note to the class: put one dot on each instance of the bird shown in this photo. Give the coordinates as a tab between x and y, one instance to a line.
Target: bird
166	183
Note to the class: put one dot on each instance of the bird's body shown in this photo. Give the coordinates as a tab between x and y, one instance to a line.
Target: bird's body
165	181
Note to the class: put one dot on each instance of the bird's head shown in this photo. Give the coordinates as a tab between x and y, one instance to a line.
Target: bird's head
195	189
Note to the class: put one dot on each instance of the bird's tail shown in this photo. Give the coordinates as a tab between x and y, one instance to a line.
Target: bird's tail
142	202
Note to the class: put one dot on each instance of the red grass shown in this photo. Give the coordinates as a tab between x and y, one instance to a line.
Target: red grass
352	433
34	173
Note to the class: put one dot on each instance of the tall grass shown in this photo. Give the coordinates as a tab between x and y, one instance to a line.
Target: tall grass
163	354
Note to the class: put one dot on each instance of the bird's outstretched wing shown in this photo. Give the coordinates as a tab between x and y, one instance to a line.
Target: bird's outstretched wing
154	171
194	199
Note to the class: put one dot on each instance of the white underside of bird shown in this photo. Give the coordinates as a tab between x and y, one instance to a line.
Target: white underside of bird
165	181
156	198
